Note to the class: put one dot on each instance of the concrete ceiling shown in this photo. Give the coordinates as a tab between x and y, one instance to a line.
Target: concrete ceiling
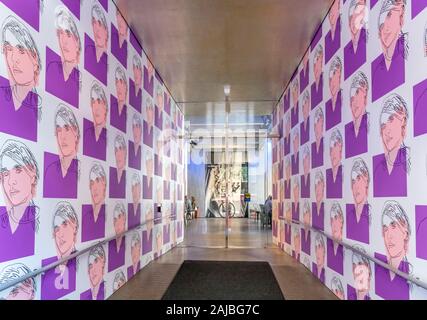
198	46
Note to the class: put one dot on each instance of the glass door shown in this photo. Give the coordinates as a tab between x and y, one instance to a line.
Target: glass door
227	176
248	227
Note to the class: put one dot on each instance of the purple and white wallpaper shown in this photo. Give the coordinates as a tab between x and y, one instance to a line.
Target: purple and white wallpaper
88	149
352	157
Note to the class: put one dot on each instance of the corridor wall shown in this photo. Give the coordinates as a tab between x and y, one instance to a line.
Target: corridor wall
352	157
88	149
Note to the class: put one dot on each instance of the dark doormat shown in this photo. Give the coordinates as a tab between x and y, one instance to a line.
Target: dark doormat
224	280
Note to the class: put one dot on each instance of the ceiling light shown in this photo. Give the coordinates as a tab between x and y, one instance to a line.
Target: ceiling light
227	90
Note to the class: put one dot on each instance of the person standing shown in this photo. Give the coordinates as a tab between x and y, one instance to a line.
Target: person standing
194	206
187	207
268	206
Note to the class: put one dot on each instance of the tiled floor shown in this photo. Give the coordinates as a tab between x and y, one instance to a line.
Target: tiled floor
204	240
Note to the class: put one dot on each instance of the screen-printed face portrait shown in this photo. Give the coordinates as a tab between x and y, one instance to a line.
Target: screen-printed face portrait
390	23
295	141
159	97
100	28
119	280
96	266
306	105
361	273
335	148
149	216
320	252
359	95
337	221
25	290
358	11
119	219
334	14
19	173
318	63
120	151
122	28
306	217
159	243
97	184
68	36
318	124
393	121
295	92
306	161
136	248
297	241
99	105
295	192
136	129
136	188
335	76
121	85
360	182
396	230
137	72
65	228
319	186
22	59
149	111
67	132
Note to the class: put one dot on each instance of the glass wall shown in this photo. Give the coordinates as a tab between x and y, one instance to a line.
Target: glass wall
221	168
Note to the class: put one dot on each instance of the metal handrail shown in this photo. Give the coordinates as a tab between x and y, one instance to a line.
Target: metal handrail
80	252
404	275
36	272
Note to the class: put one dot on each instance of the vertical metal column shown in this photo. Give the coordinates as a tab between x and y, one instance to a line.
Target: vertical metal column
227	174
266	182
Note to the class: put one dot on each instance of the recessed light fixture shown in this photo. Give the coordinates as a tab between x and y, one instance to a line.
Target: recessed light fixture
227	90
